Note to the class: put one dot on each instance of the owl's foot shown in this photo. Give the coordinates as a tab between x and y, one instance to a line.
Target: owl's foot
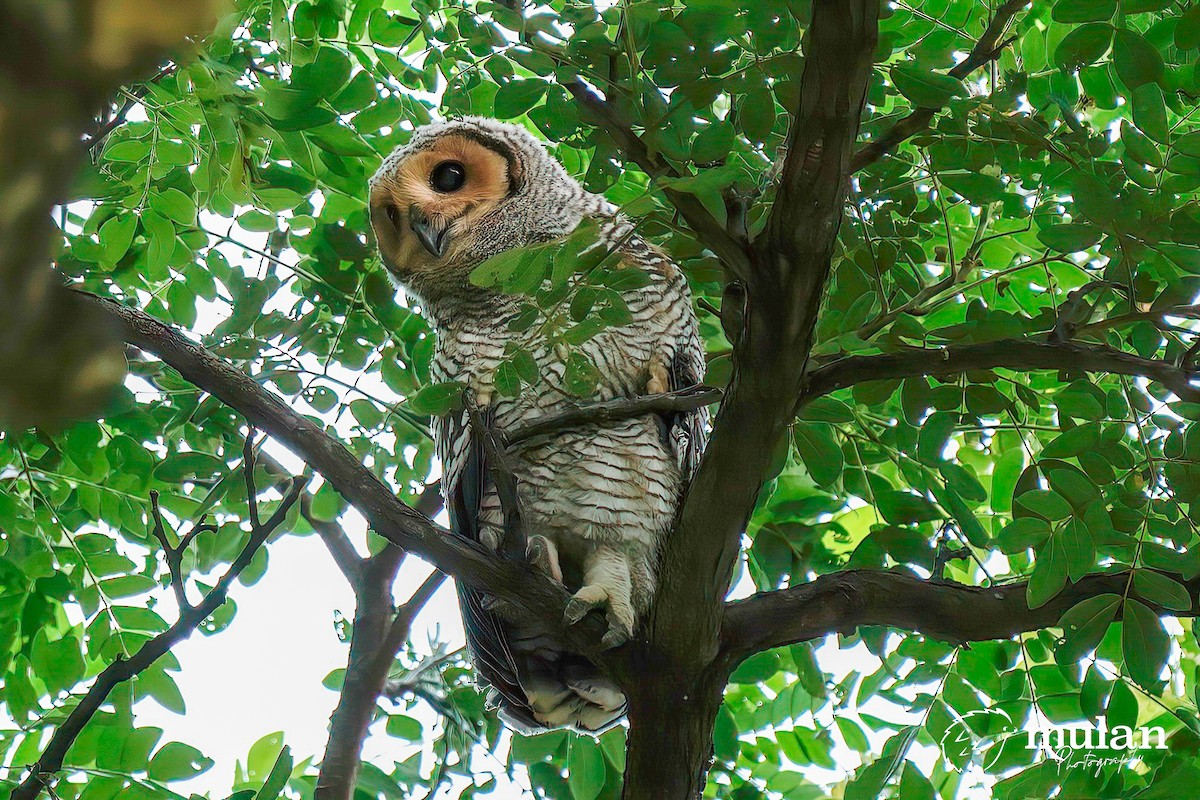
620	625
543	556
607	584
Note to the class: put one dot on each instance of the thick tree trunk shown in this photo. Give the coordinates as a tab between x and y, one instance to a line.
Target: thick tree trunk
670	745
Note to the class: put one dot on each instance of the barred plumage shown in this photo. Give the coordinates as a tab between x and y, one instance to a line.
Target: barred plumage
598	498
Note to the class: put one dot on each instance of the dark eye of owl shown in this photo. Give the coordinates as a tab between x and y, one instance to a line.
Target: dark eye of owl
448	176
393	213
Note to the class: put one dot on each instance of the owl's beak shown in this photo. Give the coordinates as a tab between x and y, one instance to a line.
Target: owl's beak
434	236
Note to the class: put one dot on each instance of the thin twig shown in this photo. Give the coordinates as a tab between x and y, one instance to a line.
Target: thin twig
679	401
173	556
119	116
405	616
248	463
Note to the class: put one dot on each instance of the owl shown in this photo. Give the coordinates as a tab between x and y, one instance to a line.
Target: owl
598	498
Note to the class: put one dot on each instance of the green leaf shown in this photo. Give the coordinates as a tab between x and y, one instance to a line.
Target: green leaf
437	399
1072	442
1137	61
518	96
277	779
180	467
1083	10
903	508
819	449
1085	624
1139	147
1144	643
1069	237
176	761
1005	473
914	785
1079	548
1083	45
978	188
1189	144
1150	112
868	783
926	89
713	143
1049	574
176	206
116	235
1187	29
725	736
581	376
1155	587
852	735
585	769
1045	503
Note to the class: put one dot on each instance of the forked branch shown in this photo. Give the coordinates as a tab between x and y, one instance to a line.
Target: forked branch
43	773
987	49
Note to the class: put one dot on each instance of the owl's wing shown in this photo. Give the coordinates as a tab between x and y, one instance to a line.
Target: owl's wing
487	638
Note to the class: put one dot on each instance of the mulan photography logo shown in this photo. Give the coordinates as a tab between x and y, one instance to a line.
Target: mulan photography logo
1071	747
1095	747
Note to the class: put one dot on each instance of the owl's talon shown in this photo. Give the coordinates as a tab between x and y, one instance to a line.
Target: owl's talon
543	556
491	538
576	610
615	637
495	605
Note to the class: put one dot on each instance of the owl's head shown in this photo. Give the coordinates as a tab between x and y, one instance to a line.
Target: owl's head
460	192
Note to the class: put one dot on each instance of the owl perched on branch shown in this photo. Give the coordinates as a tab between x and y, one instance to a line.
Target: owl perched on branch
597	498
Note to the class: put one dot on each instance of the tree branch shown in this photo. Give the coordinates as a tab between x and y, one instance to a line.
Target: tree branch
42	774
1020	354
376	637
987	49
783	294
336	542
710	232
840	602
533	595
682	400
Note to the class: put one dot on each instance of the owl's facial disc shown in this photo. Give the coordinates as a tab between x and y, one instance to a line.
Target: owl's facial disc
426	212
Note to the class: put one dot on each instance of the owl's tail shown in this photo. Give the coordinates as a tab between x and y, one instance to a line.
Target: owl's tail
561	691
534	684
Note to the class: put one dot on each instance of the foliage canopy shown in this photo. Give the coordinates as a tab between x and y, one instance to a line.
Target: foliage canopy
1053	198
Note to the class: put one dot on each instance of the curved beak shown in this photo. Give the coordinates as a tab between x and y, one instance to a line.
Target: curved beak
435	237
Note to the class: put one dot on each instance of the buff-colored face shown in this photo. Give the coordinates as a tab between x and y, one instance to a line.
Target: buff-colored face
424	210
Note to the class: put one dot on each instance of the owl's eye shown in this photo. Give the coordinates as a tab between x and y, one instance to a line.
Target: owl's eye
393	213
448	176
